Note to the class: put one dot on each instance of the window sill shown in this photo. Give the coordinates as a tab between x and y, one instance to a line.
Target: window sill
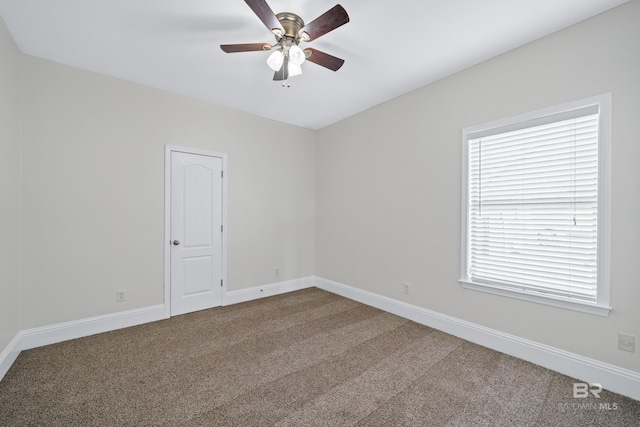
599	310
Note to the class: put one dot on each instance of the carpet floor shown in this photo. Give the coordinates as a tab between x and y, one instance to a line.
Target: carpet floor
300	359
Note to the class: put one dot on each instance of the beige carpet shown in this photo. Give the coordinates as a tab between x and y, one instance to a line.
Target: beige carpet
299	359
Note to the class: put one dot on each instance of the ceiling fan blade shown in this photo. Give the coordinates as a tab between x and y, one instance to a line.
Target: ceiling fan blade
266	15
324	59
328	21
282	73
246	47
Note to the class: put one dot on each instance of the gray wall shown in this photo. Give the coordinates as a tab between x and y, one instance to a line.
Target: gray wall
93	191
9	187
389	182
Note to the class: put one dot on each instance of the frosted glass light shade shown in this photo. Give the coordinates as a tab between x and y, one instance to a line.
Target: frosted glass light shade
294	69
275	60
296	55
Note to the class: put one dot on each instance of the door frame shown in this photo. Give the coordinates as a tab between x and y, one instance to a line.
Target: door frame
167	219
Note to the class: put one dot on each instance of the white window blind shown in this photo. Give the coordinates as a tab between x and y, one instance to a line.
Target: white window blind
532	219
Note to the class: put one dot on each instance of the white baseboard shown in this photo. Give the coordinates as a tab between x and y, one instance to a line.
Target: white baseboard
249	294
38	337
611	377
9	355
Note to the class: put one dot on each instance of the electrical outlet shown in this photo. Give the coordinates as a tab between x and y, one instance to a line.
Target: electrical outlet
406	288
120	296
627	342
276	271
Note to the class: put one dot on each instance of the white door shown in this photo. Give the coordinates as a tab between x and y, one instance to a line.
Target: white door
196	232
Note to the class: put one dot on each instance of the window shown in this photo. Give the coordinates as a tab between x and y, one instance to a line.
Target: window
535	206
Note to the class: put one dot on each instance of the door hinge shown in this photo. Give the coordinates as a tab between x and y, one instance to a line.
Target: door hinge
221	229
220	282
221	174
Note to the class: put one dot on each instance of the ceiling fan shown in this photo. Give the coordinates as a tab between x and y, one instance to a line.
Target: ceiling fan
289	30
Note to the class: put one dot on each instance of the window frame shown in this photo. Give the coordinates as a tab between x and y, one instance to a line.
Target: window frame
603	102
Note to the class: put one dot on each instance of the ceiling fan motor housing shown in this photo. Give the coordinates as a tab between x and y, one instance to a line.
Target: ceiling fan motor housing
292	24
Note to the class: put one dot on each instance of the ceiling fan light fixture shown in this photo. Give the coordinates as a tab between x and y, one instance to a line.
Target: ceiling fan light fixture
296	55
275	60
294	69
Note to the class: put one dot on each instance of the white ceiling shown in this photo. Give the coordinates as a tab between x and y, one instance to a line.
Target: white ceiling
390	47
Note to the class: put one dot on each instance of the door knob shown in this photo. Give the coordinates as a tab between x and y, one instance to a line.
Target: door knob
176	242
